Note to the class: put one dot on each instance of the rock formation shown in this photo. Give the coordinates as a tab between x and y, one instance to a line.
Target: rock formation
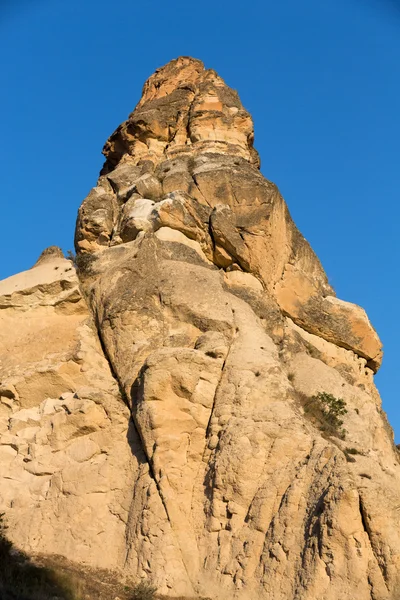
155	410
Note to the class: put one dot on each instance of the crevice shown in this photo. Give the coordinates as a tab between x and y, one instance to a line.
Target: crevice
199	190
113	185
108	359
211	233
152	475
209	470
371	588
317	504
215	393
364	519
126	400
234	194
189	113
178	126
96	323
367	529
260	487
244	265
220	377
247	232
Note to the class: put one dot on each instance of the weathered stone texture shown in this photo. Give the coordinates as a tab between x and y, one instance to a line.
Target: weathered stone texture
65	465
203	313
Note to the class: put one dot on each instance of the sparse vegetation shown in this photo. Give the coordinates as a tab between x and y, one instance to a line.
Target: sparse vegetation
312	350
143	591
20	579
291	376
325	411
352	451
83	262
70	255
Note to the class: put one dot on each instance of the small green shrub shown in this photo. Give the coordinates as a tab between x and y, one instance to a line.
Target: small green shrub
143	591
334	407
352	451
84	263
326	411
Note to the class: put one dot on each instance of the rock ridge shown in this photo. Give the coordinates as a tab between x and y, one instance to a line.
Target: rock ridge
159	399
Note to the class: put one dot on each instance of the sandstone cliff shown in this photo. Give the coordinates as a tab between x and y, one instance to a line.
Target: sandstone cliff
158	407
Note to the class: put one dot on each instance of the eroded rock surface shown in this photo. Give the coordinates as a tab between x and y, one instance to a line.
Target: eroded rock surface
157	405
66	466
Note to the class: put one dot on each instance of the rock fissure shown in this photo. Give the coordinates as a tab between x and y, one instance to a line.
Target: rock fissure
367	530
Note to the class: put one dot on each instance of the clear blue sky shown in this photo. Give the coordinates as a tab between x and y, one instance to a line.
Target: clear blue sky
321	79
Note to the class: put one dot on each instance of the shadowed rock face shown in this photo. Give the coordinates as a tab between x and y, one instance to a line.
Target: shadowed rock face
201	307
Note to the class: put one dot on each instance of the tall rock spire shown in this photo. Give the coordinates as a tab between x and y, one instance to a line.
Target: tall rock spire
232	442
184	109
190	135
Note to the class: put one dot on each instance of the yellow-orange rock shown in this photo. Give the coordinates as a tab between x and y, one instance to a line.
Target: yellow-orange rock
342	323
202	307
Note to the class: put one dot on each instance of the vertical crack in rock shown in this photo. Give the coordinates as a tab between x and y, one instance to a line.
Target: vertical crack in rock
129	404
106	355
217	389
366	527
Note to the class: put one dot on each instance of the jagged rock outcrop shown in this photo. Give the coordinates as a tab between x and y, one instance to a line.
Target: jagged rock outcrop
155	407
65	464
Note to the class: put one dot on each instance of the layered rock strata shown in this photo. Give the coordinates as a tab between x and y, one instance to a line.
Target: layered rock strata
155	403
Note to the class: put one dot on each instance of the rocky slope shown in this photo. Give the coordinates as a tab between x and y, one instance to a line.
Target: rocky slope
155	410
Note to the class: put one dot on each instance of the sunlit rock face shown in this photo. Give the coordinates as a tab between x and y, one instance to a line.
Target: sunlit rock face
159	405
